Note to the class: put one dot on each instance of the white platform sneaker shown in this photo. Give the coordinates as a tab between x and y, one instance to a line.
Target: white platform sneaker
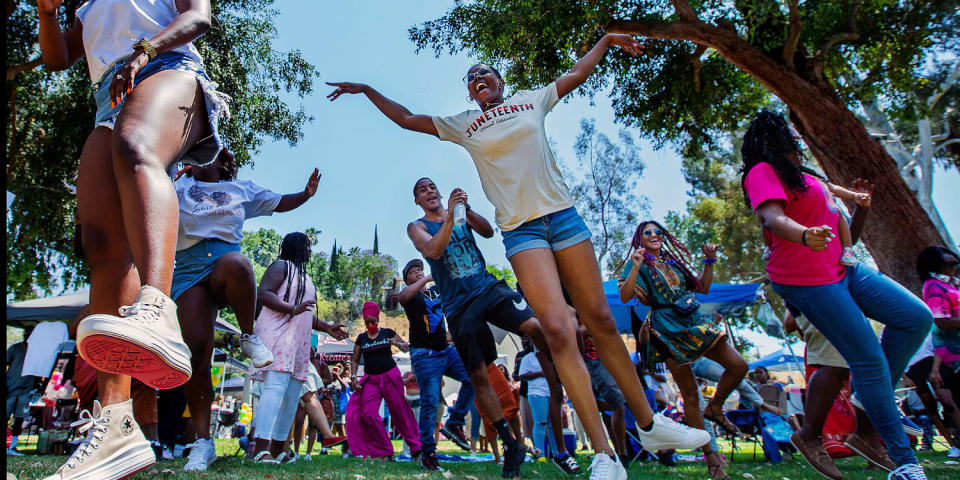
114	447
143	342
667	434
253	347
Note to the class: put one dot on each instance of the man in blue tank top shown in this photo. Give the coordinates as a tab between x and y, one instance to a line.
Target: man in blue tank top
472	298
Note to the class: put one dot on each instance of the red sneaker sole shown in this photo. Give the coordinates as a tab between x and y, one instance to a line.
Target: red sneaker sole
114	355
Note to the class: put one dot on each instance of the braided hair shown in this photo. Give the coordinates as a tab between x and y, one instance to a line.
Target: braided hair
295	248
769	140
672	249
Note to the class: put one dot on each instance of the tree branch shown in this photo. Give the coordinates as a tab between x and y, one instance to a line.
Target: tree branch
793	37
697	64
945	144
850	35
947	83
14	70
684	10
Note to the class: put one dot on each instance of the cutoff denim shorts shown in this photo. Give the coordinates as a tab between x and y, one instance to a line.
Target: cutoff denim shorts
217	103
193	265
556	231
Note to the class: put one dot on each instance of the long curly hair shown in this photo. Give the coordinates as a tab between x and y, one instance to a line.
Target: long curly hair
672	249
295	248
769	140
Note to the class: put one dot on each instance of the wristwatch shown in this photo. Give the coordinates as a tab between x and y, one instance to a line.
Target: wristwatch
147	47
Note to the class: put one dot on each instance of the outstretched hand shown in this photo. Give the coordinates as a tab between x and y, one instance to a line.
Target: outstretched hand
337	331
709	250
345	87
863	191
626	42
817	238
312	182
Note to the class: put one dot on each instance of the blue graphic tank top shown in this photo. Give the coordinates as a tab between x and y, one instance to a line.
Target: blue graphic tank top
461	272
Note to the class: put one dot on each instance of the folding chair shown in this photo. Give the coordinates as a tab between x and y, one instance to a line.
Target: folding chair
749	422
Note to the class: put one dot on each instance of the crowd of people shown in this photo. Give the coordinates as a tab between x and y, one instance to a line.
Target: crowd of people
159	275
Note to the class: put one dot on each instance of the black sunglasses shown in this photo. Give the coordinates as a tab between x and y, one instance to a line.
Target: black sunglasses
647	233
473	76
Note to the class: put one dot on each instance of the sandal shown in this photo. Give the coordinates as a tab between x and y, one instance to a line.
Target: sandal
716	470
264	457
722	421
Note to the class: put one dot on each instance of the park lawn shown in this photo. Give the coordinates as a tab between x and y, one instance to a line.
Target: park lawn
33	467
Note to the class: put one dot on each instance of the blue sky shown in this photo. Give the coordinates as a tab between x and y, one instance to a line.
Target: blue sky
369	164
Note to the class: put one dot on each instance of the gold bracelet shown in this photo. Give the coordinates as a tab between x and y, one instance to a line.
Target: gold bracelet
147	47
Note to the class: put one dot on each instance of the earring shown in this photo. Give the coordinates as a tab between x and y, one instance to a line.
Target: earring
469	98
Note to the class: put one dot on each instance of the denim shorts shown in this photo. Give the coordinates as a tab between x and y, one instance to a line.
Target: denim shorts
194	265
556	231
217	102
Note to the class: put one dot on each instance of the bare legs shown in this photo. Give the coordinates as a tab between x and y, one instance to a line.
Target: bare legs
123	176
537	271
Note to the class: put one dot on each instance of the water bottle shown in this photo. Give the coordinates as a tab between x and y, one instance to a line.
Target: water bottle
459	214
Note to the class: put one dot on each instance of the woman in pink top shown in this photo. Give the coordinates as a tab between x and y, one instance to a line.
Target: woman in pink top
284	325
805	270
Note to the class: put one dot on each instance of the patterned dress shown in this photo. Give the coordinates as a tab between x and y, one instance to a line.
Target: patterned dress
683	338
287	337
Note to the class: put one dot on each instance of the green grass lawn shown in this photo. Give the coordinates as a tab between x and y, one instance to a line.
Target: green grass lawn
33	467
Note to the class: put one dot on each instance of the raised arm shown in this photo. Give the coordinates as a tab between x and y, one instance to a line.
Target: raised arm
59	49
585	66
706	279
629	288
291	201
479	224
393	110
270	285
772	216
410	291
433	246
397	341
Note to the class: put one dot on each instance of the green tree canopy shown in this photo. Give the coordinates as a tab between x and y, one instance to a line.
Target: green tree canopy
50	115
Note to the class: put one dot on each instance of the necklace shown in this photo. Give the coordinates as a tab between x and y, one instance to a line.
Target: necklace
659	259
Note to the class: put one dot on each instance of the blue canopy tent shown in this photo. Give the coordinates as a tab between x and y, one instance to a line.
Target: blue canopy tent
783	359
723	298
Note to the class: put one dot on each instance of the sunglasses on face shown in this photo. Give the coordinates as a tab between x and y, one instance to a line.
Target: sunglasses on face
470	77
647	233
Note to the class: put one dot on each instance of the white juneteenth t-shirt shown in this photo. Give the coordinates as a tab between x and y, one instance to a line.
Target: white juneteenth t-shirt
111	27
42	348
538	386
218	210
512	154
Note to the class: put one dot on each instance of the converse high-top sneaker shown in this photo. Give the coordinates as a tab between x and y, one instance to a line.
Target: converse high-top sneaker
114	447
143	342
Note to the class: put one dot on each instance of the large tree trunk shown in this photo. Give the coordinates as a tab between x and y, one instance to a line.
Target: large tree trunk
898	228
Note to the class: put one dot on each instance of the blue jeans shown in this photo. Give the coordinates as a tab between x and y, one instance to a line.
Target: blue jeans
710	370
475	421
540	407
430	366
839	311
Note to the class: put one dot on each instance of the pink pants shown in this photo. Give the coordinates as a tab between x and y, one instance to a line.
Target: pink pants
365	429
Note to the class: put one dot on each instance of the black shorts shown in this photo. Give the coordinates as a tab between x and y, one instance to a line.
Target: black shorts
497	305
919	374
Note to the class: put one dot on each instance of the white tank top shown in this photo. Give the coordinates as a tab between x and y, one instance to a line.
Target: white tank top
111	27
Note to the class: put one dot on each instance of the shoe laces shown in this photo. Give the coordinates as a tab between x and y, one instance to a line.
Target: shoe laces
911	471
95	428
146	307
665	423
601	465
